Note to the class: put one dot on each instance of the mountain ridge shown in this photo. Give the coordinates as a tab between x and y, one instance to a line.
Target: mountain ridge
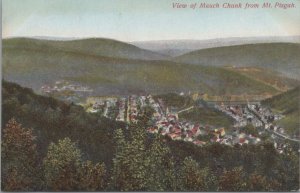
96	46
179	47
35	63
282	57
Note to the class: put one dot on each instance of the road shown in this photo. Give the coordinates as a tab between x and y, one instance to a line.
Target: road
274	132
279	134
187	109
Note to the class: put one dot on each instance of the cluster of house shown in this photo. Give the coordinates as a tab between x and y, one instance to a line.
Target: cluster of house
107	104
241	115
241	138
267	117
193	132
101	104
158	112
132	109
60	86
122	109
280	147
136	103
186	131
168	124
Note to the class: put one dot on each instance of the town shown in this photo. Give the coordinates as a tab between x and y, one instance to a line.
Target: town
166	120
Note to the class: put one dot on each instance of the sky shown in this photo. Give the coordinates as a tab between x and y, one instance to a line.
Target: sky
143	20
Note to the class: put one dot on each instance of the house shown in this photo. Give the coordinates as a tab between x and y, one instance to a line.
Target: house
225	141
215	139
202	131
218	132
198	142
152	130
177	130
174	136
280	130
188	139
190	133
243	141
195	130
222	132
163	132
242	135
255	140
267	126
172	117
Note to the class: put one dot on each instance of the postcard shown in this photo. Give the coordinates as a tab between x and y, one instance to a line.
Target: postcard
150	96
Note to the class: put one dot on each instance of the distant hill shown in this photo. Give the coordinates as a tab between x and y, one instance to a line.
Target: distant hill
33	65
179	47
282	57
91	46
287	103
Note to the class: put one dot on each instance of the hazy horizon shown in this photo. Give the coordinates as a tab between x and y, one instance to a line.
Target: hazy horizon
141	20
62	38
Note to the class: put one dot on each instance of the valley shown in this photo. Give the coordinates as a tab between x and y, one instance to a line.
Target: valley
75	70
219	106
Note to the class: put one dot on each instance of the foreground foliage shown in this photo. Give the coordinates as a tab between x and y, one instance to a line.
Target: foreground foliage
68	149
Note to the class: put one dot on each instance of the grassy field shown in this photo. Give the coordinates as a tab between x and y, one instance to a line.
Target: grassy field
208	116
291	123
175	100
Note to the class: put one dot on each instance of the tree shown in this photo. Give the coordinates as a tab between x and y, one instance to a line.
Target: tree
129	172
92	177
119	173
194	178
61	166
145	117
137	158
160	171
66	171
287	172
19	158
257	182
232	180
250	129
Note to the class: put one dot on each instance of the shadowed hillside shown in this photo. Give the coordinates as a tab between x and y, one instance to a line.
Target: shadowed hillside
92	46
32	64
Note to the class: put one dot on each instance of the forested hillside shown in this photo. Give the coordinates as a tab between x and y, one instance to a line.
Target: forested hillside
48	145
52	120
